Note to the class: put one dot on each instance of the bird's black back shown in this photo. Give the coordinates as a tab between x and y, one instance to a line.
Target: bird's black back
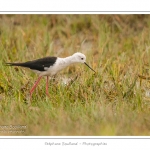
38	64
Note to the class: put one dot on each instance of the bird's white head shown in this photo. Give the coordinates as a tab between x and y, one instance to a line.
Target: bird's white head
79	57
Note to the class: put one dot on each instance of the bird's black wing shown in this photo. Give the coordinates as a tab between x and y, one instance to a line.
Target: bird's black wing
38	64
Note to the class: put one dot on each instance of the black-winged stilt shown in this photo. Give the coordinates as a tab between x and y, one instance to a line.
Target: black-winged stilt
49	66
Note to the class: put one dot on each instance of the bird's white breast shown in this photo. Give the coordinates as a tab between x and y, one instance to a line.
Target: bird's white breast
52	70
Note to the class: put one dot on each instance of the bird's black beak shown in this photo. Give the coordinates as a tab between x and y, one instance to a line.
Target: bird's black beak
89	66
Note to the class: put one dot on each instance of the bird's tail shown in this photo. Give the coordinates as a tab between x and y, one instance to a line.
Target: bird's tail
14	64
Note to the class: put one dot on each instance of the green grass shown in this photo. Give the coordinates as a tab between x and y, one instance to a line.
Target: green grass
111	102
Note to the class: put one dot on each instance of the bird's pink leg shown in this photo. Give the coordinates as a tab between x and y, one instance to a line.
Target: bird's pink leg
34	86
47	86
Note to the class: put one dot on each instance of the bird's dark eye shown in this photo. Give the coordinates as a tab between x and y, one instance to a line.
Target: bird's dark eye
82	58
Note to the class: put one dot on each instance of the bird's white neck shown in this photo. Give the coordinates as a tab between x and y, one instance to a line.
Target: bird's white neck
64	62
69	60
